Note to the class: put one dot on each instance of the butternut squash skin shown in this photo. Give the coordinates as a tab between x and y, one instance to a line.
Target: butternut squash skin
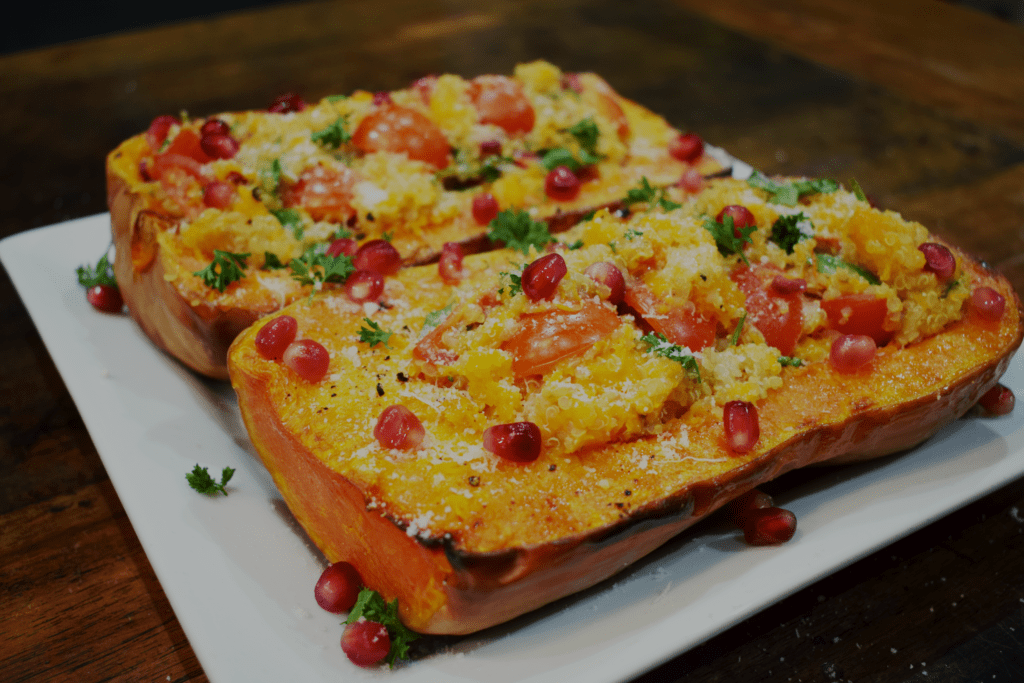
519	550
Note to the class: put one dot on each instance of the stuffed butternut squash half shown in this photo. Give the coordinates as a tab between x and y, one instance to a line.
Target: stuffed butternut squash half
479	441
213	216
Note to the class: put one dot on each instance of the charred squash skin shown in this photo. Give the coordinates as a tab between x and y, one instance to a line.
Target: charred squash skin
446	586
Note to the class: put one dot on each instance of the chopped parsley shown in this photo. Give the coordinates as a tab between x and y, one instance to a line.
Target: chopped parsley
334	135
316	266
632	234
374	335
515	283
518	231
199	479
435	318
949	288
371	606
290	219
226	267
725	237
786	231
578	244
102	274
791	361
827	264
739	329
788	194
657	343
469	172
650	195
586	133
271	262
857	191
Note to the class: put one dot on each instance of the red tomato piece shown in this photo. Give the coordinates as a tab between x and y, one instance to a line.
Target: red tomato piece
326	193
187	143
777	315
500	100
690	329
392	128
545	339
859	314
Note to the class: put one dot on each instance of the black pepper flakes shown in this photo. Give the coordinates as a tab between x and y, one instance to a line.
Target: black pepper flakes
369	216
402	377
627	492
380	389
552	467
256	194
474	480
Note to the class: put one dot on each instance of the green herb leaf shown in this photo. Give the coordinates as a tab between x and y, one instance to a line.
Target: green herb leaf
316	266
336	98
374	334
658	344
560	156
271	262
514	283
334	135
199	479
435	318
791	361
518	231
857	191
578	244
788	194
371	606
586	133
725	237
225	268
102	274
827	264
739	329
290	219
650	195
786	231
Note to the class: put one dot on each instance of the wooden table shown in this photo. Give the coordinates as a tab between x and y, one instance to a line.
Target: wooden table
921	101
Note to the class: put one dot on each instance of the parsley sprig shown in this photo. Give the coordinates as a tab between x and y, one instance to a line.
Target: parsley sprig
316	266
513	282
102	274
788	194
290	219
518	231
650	195
728	237
786	231
827	264
226	267
372	607
200	480
658	344
334	135
586	134
373	334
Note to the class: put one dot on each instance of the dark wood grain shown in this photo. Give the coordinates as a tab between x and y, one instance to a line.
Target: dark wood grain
921	101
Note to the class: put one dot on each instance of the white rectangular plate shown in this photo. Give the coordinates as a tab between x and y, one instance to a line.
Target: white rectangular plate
239	572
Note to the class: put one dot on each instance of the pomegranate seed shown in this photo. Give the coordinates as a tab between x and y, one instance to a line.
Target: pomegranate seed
342	247
106	298
365	642
158	129
561	184
516	441
219	146
397	427
214	127
364	285
938	260
687	147
490	148
485	208
609	275
449	266
338	587
752	500
988	303
378	255
741	427
851	352
784	285
308	358
768	526
287	103
741	217
236	178
692	181
274	337
999	400
219	195
381	98
571	81
540	279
